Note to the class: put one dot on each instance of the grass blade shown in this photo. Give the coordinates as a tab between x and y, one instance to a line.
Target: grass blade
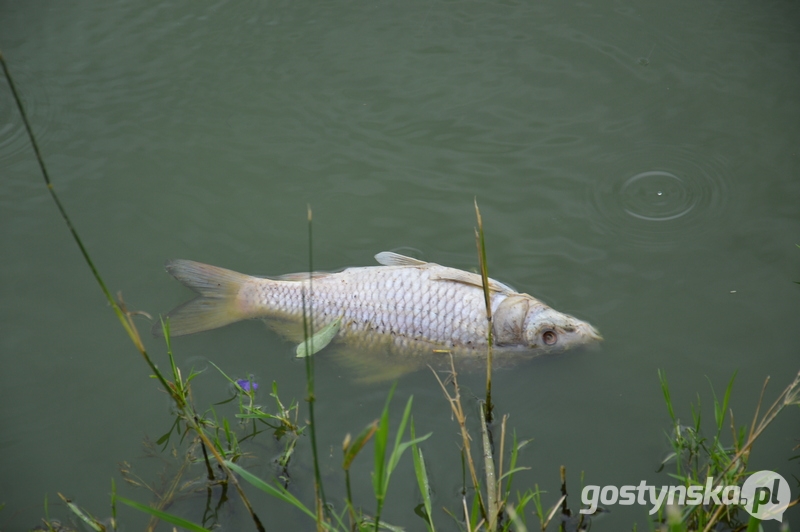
351	449
270	489
381	439
662	377
164	516
90	521
488	302
422	478
113	505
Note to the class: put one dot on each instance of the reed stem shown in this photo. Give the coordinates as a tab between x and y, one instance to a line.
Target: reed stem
481	243
124	316
308	332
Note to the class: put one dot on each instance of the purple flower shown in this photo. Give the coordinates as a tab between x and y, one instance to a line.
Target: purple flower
247	384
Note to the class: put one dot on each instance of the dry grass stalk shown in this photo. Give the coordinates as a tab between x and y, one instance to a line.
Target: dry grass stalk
789	396
461	418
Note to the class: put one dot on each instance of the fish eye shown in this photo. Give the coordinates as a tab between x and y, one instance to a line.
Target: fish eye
549	337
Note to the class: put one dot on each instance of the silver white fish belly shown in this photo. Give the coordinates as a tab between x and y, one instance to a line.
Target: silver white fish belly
406	302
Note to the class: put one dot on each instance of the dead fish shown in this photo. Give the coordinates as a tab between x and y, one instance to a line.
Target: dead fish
405	303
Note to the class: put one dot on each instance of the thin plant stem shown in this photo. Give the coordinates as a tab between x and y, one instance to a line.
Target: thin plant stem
481	243
125	317
461	418
499	495
134	336
491	480
790	395
308	329
351	512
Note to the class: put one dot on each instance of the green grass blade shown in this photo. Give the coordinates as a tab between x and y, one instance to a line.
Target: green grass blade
726	399
398	453
662	377
270	489
512	466
510	472
90	521
514	518
176	376
222	373
400	447
381	439
475	513
754	524
113	505
421	473
164	516
354	447
394	458
368	524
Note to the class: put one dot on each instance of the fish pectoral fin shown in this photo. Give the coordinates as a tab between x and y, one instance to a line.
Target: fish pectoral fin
319	340
459	276
390	258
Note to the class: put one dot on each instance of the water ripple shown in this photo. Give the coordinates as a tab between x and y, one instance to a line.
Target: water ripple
660	195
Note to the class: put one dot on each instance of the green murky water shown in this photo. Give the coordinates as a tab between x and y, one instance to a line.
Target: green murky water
636	165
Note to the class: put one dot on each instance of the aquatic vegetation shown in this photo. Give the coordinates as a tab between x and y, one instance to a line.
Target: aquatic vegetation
697	457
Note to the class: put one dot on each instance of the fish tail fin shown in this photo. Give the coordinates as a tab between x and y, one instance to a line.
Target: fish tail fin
216	306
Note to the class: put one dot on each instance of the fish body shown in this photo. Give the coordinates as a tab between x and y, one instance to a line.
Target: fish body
405	303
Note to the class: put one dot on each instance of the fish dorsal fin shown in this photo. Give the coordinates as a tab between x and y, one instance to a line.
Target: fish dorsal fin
390	258
300	276
460	276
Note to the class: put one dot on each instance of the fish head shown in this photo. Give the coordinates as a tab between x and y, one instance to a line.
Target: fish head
547	328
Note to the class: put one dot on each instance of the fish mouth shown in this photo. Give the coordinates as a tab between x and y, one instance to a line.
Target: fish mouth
591	333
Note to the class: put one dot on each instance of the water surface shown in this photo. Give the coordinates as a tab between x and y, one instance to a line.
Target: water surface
636	165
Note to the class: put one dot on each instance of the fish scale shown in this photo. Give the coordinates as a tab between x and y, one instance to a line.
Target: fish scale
404	302
422	315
